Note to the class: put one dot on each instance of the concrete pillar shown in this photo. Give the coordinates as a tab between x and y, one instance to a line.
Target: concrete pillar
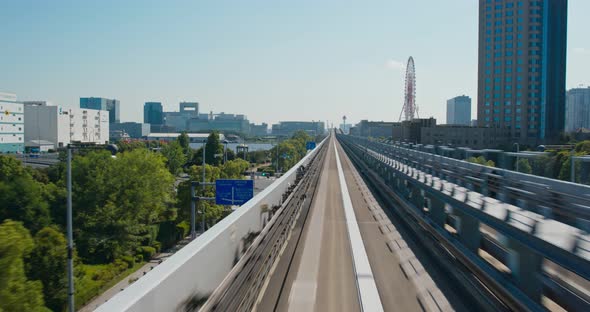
468	230
526	268
437	211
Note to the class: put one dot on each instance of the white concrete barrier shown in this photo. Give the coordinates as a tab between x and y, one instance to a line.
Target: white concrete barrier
199	267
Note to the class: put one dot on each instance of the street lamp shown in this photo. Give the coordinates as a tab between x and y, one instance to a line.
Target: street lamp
69	223
225	151
517	151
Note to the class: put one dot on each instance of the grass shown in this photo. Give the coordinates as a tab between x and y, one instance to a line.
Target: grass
89	287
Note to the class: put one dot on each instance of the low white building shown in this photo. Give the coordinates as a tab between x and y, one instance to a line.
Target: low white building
11	124
193	137
61	126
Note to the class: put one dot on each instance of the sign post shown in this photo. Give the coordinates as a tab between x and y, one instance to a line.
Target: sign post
233	192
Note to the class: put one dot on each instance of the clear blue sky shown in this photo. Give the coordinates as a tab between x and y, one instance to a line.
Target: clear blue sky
272	60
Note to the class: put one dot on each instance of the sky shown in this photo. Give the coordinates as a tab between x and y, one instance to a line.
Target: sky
271	60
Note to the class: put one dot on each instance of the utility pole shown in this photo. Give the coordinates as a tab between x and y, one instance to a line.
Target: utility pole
71	305
203	206
193	213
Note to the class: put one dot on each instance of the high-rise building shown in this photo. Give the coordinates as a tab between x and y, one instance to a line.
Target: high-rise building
153	113
12	137
522	58
110	105
459	110
577	109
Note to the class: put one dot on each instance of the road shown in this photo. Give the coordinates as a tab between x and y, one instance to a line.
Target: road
326	273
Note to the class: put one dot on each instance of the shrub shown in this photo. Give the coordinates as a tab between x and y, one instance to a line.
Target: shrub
139	258
129	260
146	251
157	246
182	229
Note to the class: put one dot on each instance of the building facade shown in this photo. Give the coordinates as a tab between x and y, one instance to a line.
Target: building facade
12	128
153	113
110	105
459	110
288	128
577	109
61	126
134	130
179	120
521	68
259	130
464	136
375	129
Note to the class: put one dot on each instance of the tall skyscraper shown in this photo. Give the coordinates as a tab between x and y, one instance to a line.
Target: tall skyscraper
459	110
153	113
522	58
113	106
577	109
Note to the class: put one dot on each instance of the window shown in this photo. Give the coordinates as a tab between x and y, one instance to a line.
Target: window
508	37
496	111
508	70
509	29
509	53
509	45
518	110
508	95
487	111
518	103
509	5
507	111
497	87
510	13
508	79
508	118
496	103
508	87
507	103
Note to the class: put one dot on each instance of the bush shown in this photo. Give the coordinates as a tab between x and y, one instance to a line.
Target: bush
146	251
129	260
182	229
157	246
139	258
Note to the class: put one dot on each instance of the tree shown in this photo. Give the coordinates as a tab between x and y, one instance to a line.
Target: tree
481	161
175	156
16	292
21	197
212	148
116	199
524	166
48	264
184	141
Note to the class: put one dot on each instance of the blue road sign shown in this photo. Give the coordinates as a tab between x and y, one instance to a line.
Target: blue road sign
233	192
310	145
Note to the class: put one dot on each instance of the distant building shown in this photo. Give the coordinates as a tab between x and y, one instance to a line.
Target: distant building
153	113
179	120
134	130
521	68
464	136
374	129
459	110
193	137
473	123
259	130
410	130
12	128
577	109
61	126
288	128
112	106
220	122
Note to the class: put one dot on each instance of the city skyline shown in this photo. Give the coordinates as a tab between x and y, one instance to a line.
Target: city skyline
319	61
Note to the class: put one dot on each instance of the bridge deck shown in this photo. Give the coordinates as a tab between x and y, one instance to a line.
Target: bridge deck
322	275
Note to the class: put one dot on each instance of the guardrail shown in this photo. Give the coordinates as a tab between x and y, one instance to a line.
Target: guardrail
241	289
560	200
522	241
194	272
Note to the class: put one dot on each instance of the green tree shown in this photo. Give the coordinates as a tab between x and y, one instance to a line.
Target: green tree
16	292
481	161
47	263
175	156
21	197
213	147
524	166
184	141
116	199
